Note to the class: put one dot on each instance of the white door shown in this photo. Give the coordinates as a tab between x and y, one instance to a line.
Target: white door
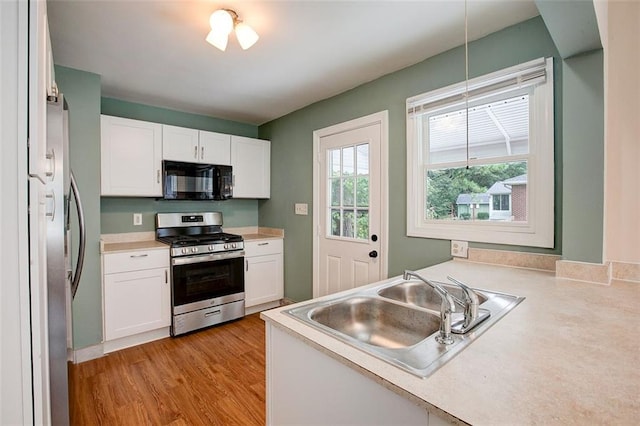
350	204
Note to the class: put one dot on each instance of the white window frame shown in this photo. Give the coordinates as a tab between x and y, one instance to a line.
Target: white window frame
538	231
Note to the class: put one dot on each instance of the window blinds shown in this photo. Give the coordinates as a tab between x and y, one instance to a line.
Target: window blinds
520	76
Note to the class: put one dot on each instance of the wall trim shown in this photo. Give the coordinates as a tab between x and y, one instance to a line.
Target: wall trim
625	271
544	262
87	354
582	271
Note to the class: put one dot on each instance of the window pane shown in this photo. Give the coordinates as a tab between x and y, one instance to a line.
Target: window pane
335	222
362	192
347	191
362	225
496	129
348	224
362	159
335	191
496	192
334	162
348	161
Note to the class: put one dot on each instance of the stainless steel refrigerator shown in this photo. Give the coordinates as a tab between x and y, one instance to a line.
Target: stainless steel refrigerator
62	281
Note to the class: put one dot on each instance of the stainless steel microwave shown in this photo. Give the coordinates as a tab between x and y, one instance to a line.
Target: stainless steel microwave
193	181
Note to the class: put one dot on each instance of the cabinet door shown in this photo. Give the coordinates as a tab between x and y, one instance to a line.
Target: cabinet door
215	148
180	144
263	281
251	161
131	157
135	302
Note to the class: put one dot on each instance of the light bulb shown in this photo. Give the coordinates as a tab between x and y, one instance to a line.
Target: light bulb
221	21
218	39
247	37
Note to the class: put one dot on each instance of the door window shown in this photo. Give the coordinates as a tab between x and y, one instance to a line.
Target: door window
348	180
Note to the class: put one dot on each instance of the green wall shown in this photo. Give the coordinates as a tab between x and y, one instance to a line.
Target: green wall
117	212
583	157
291	138
82	92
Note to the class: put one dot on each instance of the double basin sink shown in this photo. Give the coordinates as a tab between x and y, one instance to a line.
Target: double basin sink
398	321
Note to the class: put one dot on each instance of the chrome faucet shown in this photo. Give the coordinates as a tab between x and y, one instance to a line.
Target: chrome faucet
471	312
447	307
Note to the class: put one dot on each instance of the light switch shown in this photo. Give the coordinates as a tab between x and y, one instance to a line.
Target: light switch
137	219
302	209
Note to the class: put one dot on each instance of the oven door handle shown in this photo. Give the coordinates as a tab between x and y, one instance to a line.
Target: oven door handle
199	258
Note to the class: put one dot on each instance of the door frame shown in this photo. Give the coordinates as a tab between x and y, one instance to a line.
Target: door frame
381	118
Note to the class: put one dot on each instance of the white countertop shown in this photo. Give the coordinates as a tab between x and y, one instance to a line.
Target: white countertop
568	354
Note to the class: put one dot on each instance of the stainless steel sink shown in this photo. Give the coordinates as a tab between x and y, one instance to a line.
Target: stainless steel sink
419	294
398	322
377	322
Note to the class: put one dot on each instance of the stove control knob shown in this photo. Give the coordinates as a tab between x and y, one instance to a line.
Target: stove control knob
194	249
233	245
226	246
185	250
211	247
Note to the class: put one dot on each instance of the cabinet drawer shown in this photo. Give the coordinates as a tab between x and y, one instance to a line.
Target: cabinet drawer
262	247
135	260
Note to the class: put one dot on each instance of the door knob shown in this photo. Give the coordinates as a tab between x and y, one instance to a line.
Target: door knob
374	238
373	254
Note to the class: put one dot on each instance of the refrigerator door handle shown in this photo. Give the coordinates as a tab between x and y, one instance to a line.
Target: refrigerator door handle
75	282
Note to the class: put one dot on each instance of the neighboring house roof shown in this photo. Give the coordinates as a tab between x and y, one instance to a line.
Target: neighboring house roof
499	188
472	198
518	180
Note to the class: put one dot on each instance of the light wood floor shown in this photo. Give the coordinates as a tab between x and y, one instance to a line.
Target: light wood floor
212	377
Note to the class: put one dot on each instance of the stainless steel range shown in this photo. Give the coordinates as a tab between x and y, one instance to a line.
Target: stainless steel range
207	270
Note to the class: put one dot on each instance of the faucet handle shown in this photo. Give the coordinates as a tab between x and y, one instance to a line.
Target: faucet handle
469	295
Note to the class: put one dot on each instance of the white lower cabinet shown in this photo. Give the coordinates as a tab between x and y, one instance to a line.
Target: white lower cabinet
137	294
306	386
263	277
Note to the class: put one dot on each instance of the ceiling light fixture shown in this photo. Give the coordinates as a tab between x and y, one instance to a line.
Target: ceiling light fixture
222	22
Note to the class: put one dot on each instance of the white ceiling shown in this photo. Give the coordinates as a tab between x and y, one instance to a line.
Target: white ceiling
153	52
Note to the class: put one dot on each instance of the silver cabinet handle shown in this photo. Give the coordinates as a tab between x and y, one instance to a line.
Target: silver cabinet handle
202	153
263	244
166	277
195	152
134	256
246	262
158	176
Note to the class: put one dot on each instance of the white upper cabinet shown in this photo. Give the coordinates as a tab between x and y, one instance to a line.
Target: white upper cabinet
215	148
131	157
180	144
251	162
195	146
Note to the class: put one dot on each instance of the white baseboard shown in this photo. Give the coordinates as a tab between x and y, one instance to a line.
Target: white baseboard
87	354
261	307
136	339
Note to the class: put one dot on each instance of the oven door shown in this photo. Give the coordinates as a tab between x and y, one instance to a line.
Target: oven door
206	280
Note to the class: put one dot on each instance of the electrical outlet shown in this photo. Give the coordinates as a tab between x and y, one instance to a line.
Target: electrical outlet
302	209
459	248
137	219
